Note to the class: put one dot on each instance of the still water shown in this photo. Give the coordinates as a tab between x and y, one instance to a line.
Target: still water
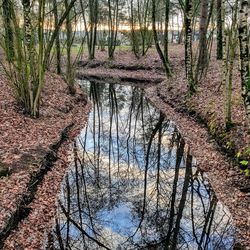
133	183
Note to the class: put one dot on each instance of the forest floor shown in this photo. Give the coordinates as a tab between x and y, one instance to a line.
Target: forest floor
28	149
200	119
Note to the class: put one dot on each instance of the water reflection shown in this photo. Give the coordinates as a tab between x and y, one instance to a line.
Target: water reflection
133	184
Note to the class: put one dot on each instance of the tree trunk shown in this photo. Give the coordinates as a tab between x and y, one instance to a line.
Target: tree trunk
93	16
113	26
58	47
219	30
133	34
9	40
188	46
166	29
40	66
29	49
69	66
157	45
244	55
55	33
203	51
228	63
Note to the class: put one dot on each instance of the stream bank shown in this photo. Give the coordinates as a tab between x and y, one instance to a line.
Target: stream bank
223	174
199	119
203	146
29	147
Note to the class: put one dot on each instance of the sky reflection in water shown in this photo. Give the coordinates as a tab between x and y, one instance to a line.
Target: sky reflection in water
133	183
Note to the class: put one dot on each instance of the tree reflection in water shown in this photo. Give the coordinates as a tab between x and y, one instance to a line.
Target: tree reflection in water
133	183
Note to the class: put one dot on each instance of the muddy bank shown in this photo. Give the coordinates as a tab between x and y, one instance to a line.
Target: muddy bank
29	147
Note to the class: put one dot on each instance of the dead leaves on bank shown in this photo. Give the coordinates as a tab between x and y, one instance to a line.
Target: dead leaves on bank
25	141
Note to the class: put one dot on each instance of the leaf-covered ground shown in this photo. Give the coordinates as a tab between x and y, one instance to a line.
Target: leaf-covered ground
25	141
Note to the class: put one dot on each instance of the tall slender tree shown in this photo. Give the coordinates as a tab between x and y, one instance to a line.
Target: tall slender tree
244	55
26	72
156	40
202	49
188	46
57	43
9	40
140	18
70	77
231	40
219	29
166	24
113	23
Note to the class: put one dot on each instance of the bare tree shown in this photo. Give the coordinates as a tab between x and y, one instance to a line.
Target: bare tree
91	24
57	43
188	46
70	76
219	29
113	23
156	40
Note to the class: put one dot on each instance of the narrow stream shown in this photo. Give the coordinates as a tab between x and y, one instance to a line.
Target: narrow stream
133	183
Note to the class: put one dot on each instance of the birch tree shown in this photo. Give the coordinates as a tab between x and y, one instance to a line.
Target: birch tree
229	53
26	72
244	55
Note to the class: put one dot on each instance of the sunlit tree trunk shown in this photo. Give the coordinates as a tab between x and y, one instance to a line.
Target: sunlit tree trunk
244	55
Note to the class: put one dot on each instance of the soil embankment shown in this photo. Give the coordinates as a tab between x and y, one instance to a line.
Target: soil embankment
30	147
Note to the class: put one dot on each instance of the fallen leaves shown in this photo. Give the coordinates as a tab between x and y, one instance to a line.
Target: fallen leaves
25	141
